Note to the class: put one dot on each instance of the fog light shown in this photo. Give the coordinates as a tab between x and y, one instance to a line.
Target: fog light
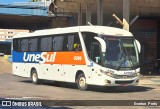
108	81
137	81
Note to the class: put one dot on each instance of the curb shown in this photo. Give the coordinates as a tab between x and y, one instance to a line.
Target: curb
149	77
151	81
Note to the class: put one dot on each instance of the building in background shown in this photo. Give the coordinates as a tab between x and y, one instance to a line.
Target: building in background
146	28
6	36
35	2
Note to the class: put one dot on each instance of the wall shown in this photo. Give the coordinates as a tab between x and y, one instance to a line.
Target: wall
145	30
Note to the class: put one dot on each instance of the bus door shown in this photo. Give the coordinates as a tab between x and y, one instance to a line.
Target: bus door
95	56
95	52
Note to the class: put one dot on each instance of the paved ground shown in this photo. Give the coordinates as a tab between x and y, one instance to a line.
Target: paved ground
12	87
5	66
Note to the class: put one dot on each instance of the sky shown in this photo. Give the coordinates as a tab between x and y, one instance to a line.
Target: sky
11	1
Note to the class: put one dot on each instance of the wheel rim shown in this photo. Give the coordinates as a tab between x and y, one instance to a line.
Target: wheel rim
82	82
34	77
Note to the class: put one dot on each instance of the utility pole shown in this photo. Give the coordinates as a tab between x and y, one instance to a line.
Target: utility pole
88	13
79	13
126	14
100	12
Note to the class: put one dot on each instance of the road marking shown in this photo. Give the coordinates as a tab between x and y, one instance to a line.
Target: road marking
23	98
31	97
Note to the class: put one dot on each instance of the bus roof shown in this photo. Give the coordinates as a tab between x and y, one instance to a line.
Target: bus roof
112	31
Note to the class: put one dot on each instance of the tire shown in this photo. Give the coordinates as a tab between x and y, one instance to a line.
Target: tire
81	82
34	77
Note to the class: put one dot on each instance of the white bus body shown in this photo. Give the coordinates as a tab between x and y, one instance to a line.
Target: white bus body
50	55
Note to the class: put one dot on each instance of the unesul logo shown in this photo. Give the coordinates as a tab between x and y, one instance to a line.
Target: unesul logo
40	58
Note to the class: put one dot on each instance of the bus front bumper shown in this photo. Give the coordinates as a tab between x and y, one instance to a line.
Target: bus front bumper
121	82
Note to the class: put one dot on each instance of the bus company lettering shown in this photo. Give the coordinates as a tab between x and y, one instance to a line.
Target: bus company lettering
40	58
77	58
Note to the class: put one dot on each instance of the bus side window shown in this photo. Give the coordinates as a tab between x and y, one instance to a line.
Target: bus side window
19	44
33	44
70	42
24	44
88	40
58	43
77	44
77	47
65	44
16	44
95	52
46	44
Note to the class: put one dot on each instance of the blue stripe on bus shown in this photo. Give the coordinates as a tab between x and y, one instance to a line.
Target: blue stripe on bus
18	56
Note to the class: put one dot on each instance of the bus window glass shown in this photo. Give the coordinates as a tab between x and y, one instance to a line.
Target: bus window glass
16	45
113	50
121	53
33	44
95	52
77	44
46	44
58	43
70	42
88	40
24	44
65	44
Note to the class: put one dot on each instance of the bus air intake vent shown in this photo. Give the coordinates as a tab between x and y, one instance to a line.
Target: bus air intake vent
124	82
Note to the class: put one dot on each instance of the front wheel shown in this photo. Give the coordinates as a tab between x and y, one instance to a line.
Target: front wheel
81	82
34	77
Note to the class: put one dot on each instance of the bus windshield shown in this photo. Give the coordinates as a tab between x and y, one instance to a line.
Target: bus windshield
121	53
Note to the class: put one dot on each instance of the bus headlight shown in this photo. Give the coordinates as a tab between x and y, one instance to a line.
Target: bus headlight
107	73
136	74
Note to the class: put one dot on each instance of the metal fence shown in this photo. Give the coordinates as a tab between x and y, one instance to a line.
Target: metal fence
145	36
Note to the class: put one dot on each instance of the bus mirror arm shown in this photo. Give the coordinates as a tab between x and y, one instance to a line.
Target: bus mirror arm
103	48
102	58
138	45
103	44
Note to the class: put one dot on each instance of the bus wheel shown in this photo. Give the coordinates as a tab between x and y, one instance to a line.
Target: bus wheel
34	77
81	82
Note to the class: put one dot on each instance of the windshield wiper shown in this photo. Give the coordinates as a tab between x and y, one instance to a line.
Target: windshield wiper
124	56
129	58
121	59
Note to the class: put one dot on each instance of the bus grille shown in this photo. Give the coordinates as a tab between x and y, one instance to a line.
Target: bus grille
124	76
124	82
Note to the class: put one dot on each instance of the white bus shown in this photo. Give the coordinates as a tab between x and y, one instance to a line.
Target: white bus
86	55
